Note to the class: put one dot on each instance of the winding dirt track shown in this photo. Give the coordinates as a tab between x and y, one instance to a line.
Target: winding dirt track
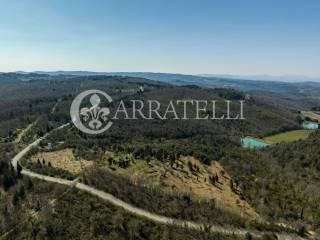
135	210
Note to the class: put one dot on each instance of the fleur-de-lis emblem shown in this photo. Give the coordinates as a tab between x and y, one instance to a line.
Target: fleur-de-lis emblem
94	119
95	114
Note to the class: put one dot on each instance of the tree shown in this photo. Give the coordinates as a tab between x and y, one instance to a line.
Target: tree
9	179
19	169
15	198
301	213
22	192
248	236
29	184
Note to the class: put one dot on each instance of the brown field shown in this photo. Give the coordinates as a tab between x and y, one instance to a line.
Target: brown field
63	159
180	178
312	115
198	184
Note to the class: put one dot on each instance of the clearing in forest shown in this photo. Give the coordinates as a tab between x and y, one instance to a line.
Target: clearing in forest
312	115
189	175
289	136
63	159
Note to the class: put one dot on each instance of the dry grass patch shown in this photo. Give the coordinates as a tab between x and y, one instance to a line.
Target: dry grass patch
192	177
312	115
63	159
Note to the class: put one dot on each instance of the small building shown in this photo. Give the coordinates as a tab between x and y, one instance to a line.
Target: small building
253	143
140	89
310	125
49	147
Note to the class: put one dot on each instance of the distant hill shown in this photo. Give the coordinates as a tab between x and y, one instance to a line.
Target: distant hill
304	88
266	77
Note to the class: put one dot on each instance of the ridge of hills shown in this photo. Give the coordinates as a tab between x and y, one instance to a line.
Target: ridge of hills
299	87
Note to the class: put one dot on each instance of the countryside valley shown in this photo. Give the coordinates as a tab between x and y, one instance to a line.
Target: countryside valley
198	174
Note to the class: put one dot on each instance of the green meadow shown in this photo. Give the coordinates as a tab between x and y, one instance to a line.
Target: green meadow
289	136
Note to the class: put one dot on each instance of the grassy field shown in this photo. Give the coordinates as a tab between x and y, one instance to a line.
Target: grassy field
289	136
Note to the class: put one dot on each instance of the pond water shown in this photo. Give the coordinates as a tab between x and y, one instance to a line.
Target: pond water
310	125
249	142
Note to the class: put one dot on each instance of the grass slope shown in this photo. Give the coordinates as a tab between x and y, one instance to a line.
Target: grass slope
289	136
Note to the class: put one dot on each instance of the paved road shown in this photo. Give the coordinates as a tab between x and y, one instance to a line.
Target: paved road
135	210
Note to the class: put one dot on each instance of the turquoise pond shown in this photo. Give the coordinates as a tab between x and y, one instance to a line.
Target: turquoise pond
249	142
310	125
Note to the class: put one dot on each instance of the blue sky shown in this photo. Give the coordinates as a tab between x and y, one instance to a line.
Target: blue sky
184	36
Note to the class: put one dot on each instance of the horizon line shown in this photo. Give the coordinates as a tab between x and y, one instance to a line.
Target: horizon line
178	73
